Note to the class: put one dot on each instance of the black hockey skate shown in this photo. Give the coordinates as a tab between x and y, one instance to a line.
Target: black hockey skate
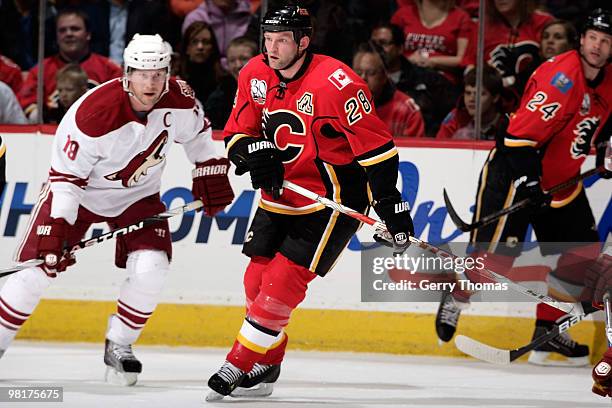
447	317
122	367
560	351
224	381
259	382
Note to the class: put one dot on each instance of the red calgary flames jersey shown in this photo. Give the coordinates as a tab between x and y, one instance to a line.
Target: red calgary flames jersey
560	113
509	49
324	123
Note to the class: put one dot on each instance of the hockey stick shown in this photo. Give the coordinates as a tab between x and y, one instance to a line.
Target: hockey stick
486	220
608	313
496	355
194	205
20	266
573	309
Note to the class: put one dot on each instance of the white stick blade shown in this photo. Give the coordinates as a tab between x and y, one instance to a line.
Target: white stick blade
23	265
482	351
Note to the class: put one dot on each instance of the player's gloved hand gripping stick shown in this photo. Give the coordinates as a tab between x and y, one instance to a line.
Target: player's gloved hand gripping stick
194	205
520	205
573	309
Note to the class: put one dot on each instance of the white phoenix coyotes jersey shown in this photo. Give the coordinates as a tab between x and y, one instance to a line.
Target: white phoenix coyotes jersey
106	158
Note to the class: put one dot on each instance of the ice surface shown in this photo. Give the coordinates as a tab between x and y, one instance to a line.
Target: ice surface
176	377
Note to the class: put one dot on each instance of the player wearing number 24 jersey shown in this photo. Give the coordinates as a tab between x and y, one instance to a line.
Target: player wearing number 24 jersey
561	113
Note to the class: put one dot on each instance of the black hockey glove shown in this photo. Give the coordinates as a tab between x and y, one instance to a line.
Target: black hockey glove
527	187
504	59
262	160
526	168
603	159
395	213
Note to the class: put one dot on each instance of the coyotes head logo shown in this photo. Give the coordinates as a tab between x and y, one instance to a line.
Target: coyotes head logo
585	129
142	162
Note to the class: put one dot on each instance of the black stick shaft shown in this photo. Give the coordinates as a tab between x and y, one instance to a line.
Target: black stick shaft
486	220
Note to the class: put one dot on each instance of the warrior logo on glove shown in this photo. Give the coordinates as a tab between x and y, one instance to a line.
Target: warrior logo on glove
396	215
211	185
52	237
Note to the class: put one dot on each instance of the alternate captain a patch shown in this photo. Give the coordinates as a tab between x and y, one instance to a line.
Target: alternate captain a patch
340	79
304	104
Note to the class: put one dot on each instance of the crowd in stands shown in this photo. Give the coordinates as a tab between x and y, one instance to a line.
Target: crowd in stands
417	56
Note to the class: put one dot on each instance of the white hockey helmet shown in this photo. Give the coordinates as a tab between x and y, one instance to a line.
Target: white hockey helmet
147	52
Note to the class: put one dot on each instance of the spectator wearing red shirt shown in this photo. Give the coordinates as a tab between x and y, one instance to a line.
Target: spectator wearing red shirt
10	74
73	38
459	124
396	109
437	34
470	6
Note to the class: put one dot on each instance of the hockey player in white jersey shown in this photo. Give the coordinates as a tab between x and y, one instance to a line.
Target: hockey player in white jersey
107	160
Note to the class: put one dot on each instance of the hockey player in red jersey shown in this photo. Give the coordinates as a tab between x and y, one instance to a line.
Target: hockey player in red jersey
107	160
566	102
309	119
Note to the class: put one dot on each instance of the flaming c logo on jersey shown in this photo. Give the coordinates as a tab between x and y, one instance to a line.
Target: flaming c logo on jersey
289	141
585	129
142	162
510	59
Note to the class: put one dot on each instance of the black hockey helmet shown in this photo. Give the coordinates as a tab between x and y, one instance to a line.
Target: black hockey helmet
288	18
599	20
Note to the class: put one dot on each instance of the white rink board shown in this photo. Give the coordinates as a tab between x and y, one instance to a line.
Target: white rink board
211	273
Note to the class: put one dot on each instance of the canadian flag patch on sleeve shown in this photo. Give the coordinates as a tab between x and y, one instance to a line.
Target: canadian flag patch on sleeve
340	79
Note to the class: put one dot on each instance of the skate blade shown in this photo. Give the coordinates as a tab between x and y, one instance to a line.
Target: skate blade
112	376
214	396
546	358
260	391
